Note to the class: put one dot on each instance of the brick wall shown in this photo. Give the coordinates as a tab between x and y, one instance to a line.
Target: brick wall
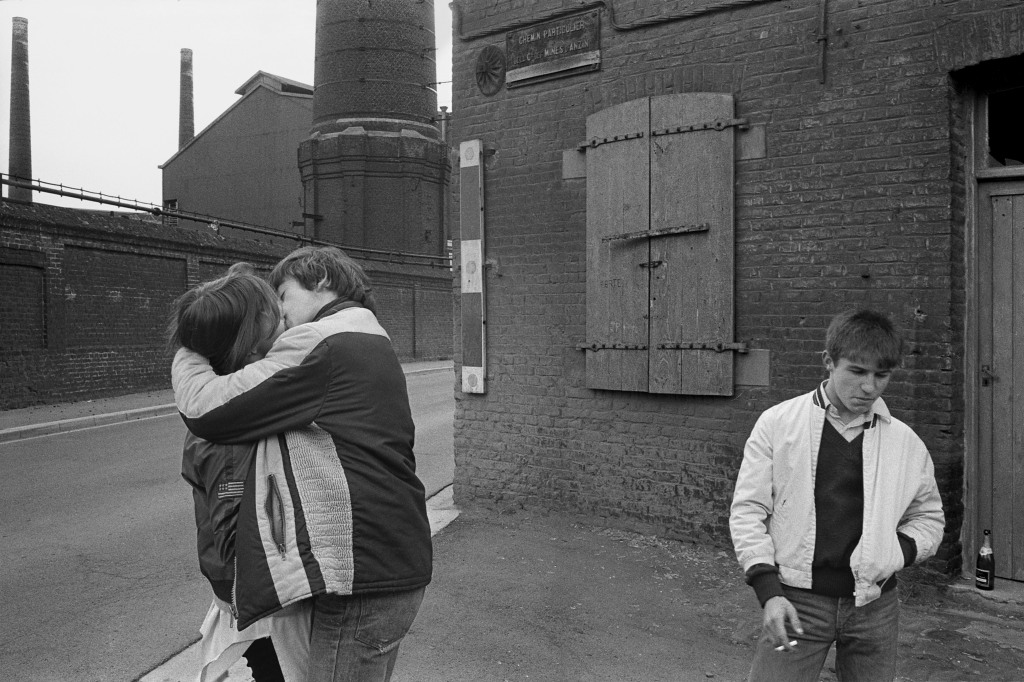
87	297
858	201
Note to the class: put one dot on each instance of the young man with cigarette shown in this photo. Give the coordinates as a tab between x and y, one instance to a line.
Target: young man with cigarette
833	497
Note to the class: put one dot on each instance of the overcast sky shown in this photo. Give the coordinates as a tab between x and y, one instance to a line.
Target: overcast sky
104	79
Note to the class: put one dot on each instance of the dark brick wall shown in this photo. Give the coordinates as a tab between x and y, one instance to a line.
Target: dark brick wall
859	201
113	297
397	300
87	297
21	308
433	309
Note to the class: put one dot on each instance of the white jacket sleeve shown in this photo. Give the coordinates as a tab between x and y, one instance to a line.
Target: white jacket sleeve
752	503
923	521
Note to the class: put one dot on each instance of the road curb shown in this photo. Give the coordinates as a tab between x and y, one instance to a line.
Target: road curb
78	423
430	370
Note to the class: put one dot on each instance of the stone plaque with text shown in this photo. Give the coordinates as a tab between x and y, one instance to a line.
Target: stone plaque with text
553	49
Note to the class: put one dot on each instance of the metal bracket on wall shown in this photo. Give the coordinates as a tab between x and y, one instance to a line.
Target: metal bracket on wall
717	346
610	346
717	124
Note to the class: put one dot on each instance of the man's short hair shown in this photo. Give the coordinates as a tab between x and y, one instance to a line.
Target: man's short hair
327	268
864	335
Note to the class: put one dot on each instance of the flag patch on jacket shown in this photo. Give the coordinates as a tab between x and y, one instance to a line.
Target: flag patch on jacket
230	489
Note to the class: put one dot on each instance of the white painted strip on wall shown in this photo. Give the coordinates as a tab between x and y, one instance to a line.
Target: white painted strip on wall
474	310
472	266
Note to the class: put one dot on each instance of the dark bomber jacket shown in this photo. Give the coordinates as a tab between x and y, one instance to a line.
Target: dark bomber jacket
216	474
333	503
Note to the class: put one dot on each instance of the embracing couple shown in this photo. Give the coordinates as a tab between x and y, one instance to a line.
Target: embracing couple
312	523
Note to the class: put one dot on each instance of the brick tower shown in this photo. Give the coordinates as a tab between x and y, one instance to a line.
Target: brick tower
374	168
186	101
20	151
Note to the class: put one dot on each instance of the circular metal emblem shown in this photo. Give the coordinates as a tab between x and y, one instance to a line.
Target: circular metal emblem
490	70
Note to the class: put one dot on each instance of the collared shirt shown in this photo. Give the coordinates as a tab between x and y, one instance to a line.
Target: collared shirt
856	425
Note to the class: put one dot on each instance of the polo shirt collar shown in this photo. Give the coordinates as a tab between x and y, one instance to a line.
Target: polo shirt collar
878	409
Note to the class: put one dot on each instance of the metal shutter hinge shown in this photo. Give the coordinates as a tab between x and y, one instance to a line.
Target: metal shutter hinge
642	234
717	346
598	141
610	346
718	124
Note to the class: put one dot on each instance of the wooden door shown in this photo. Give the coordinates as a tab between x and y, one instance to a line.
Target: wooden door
1001	372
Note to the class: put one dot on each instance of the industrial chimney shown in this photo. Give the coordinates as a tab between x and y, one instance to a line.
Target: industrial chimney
186	108
20	151
374	168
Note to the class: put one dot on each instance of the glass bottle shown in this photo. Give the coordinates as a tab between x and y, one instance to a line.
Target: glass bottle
985	570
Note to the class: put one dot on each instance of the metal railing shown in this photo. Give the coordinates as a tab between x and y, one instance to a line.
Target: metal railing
400	257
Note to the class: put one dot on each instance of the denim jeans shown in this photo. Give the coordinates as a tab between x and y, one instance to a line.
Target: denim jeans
355	638
865	639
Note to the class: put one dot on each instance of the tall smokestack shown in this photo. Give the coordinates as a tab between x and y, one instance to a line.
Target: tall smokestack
186	108
374	168
20	152
375	66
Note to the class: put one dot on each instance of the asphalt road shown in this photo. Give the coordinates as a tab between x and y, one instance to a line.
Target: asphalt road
99	579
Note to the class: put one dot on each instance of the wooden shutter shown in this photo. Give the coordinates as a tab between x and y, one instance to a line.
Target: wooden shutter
692	290
660	245
618	167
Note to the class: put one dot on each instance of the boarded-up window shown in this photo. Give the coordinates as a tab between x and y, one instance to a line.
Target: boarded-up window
660	245
171	205
23	305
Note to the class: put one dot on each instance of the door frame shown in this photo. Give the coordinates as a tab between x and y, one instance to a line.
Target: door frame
978	174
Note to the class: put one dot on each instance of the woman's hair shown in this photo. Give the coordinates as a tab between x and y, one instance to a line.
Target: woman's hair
224	320
864	335
242	268
327	268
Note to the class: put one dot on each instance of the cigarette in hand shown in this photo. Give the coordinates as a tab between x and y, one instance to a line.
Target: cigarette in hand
792	642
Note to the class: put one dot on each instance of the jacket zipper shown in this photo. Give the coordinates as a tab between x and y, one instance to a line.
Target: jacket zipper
273	508
234	595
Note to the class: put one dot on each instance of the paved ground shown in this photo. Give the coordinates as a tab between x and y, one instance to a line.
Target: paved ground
551	597
548	597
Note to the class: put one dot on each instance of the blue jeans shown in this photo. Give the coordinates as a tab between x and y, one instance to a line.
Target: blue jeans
355	638
865	639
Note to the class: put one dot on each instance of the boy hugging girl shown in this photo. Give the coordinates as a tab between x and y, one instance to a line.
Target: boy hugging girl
312	523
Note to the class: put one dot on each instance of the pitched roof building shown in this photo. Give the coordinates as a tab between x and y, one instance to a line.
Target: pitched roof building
244	165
